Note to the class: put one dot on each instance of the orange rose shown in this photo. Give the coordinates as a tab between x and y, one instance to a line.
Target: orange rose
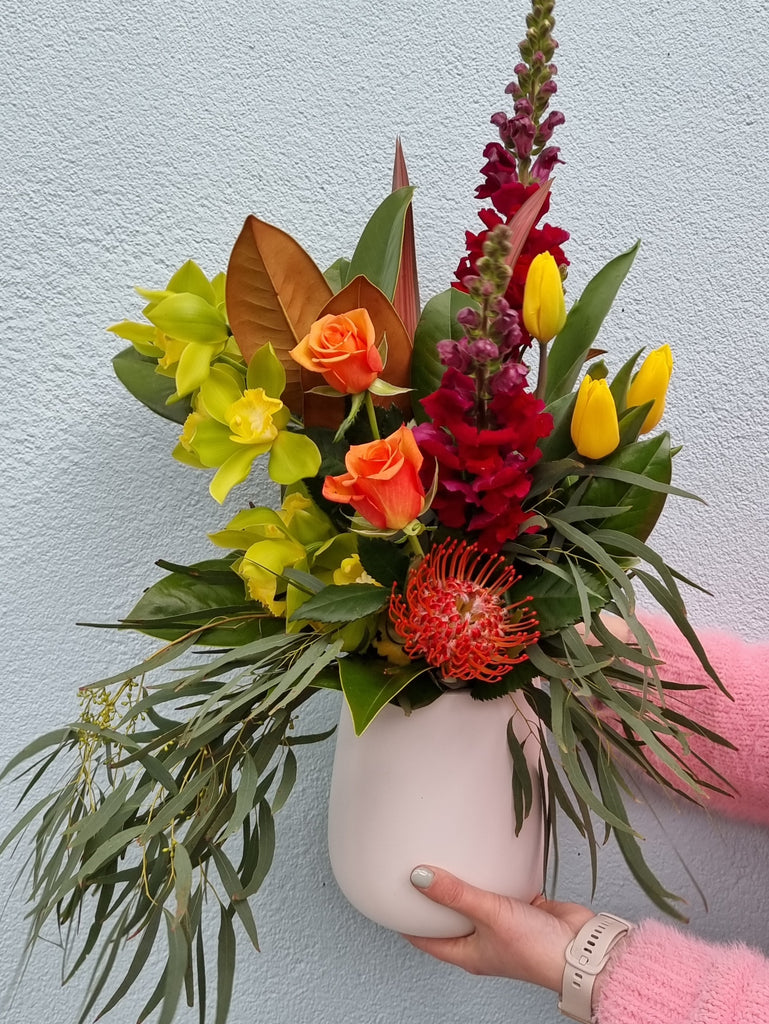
342	348
382	481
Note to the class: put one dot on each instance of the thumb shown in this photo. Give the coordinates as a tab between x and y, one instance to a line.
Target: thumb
442	887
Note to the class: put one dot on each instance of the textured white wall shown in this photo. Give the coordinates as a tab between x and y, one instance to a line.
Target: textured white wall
135	136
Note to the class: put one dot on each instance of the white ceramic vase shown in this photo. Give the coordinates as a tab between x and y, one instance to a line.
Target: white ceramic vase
433	787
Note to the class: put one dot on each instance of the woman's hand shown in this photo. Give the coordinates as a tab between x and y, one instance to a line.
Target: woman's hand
526	941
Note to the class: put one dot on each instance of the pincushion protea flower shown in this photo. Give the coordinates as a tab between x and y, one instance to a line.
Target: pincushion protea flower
453	614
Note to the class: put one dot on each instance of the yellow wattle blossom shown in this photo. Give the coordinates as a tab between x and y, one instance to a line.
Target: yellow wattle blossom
544	309
650	384
250	419
594	424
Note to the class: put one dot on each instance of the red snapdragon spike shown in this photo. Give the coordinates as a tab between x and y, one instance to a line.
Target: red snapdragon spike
453	614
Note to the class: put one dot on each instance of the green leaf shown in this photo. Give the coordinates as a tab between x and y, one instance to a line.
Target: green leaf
225	967
338	274
369	684
558	444
568	351
523	791
619	386
188	600
140	957
287	780
377	255
343	603
138	375
556	599
383	560
176	965
649	459
438	322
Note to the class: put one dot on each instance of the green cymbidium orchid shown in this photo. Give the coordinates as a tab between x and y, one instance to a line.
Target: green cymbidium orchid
236	419
188	328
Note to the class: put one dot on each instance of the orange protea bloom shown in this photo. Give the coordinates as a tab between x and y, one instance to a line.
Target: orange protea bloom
453	614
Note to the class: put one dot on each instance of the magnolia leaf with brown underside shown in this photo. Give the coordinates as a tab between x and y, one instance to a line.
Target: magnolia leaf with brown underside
274	293
406	298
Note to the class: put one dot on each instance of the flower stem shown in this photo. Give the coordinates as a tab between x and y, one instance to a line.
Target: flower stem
415	546
542	372
372	417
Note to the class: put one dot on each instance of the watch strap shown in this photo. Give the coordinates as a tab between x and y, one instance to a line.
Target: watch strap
586	957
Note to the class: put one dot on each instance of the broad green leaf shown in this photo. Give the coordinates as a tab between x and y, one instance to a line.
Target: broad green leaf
568	351
437	323
377	255
369	685
344	603
383	561
556	600
338	274
649	459
137	375
293	457
189	318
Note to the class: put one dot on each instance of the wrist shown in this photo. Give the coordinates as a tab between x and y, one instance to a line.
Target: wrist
586	957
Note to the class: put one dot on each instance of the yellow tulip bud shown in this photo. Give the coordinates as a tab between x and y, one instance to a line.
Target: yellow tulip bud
544	310
594	426
651	384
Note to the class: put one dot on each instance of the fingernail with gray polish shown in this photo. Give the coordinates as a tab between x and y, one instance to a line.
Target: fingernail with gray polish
422	878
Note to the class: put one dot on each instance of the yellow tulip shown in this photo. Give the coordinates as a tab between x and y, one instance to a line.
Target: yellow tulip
594	426
544	310
651	384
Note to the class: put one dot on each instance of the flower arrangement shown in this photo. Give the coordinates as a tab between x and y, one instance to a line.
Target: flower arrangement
465	488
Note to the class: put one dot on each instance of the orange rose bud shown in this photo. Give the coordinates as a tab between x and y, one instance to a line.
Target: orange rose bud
382	481
341	348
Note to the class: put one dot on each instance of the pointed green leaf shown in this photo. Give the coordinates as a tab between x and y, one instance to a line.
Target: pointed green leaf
338	274
344	603
568	351
377	255
437	323
369	684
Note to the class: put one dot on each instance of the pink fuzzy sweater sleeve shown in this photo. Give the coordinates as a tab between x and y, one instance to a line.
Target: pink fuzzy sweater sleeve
661	975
